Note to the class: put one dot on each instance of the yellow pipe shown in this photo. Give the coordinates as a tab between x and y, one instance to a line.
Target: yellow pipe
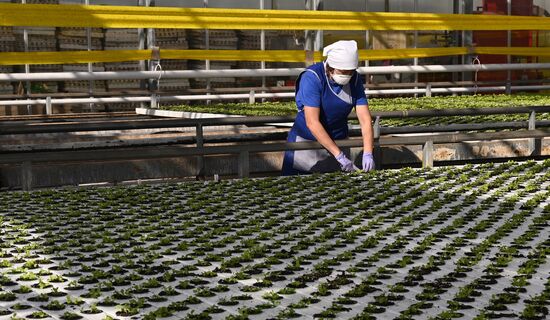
515	51
43	15
71	57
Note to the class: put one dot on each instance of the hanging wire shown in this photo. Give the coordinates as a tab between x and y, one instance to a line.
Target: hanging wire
477	62
158	67
155	97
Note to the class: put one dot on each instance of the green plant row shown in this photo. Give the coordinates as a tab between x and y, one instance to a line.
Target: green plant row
396	243
397	104
378	104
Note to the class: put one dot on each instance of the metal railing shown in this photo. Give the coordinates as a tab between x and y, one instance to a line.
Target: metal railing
244	151
156	151
67	126
252	96
154	98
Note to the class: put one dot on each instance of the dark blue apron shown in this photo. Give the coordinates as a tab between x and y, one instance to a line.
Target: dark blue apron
335	108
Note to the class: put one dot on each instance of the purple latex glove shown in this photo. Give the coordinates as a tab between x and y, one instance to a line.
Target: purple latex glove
368	162
345	163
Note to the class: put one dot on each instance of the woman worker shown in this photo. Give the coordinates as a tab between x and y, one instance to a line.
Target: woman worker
326	92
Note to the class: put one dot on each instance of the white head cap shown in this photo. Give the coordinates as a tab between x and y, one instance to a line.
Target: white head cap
342	55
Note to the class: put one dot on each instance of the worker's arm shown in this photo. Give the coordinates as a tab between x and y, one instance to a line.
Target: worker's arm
314	125
365	120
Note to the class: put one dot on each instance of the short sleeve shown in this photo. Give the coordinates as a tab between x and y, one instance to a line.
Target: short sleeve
359	92
309	92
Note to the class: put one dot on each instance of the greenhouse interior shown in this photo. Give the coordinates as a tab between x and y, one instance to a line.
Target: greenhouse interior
274	159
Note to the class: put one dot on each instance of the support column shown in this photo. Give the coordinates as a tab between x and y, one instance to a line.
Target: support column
142	38
207	62
49	108
427	154
251	97
200	143
313	38
308	39
367	42
534	144
318	41
244	164
262	47
456	36
153	84
377	150
147	41
467	36
90	65
26	176
27	67
428	90
415	45
509	44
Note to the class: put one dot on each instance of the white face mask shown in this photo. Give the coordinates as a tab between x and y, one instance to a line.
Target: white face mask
341	79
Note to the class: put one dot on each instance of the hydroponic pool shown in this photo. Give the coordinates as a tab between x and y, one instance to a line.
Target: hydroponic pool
451	242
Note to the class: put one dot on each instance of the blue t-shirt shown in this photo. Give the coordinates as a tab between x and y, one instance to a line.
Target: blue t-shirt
310	83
